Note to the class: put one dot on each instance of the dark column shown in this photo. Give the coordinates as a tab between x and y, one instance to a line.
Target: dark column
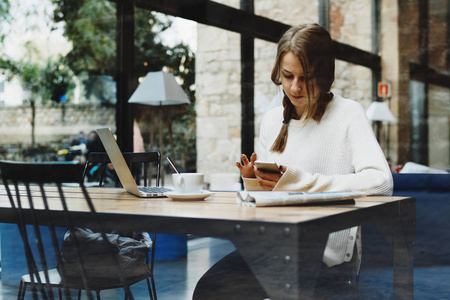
448	37
247	87
125	76
376	72
422	151
376	40
324	14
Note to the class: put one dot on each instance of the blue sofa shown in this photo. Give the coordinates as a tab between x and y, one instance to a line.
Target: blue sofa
432	193
432	247
432	243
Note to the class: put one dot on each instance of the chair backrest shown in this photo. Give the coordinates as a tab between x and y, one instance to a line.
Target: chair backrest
31	191
140	162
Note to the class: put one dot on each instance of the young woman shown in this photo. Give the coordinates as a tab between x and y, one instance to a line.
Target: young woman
322	142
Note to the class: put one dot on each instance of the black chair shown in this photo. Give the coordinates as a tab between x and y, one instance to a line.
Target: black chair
138	162
144	162
27	186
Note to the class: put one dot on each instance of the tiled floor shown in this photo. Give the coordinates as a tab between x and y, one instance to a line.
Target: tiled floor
176	280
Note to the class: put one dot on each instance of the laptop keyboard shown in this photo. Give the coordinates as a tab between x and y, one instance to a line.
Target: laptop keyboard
154	189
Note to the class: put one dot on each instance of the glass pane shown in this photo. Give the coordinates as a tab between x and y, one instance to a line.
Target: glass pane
438	127
353	82
418	123
350	22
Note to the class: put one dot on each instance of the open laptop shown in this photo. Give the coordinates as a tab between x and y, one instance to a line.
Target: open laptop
122	170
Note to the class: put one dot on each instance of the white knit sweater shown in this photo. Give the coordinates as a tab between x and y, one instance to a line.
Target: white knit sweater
338	153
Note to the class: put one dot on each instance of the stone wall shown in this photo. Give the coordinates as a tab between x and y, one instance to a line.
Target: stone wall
54	124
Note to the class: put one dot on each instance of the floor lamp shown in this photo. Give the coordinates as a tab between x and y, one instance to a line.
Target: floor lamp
160	89
379	112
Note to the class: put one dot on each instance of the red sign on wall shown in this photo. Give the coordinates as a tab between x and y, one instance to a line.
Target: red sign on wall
384	89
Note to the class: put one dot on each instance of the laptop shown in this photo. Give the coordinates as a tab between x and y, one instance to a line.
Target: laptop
122	170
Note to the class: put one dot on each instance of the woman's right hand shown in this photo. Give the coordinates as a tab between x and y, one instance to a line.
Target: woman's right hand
246	166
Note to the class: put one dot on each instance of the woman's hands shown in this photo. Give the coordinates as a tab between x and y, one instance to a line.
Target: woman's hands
246	166
266	180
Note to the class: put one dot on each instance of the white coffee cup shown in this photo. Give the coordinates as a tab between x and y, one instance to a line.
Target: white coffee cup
188	183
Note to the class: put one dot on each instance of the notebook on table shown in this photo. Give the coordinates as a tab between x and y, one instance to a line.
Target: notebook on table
122	170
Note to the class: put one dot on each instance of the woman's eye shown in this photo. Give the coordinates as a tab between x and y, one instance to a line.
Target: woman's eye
287	76
304	78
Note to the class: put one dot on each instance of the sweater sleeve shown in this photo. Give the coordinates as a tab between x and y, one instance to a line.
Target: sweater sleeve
251	184
371	171
371	181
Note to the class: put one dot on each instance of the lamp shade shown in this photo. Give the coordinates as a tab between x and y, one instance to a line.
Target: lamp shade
379	111
159	89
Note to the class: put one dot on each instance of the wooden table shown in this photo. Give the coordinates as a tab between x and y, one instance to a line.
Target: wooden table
278	243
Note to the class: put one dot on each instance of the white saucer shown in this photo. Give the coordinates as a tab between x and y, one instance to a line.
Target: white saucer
197	196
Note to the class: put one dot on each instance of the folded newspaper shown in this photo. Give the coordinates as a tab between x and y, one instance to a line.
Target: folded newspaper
267	198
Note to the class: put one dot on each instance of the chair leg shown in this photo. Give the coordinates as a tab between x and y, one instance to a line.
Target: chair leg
150	291
128	294
153	288
356	288
20	290
21	293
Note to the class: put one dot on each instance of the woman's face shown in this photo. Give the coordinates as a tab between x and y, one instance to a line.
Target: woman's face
293	81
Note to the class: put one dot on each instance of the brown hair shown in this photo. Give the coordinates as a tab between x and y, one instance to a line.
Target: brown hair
313	46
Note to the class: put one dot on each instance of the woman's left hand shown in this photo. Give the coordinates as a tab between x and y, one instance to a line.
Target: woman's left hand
268	180
246	167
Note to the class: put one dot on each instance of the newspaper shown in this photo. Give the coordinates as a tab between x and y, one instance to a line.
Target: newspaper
267	198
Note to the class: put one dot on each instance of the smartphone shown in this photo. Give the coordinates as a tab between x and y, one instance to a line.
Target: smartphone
267	166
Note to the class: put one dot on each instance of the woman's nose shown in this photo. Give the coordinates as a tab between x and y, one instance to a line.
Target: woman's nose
296	86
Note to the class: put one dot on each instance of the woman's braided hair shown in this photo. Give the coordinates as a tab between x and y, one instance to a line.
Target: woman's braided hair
313	46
